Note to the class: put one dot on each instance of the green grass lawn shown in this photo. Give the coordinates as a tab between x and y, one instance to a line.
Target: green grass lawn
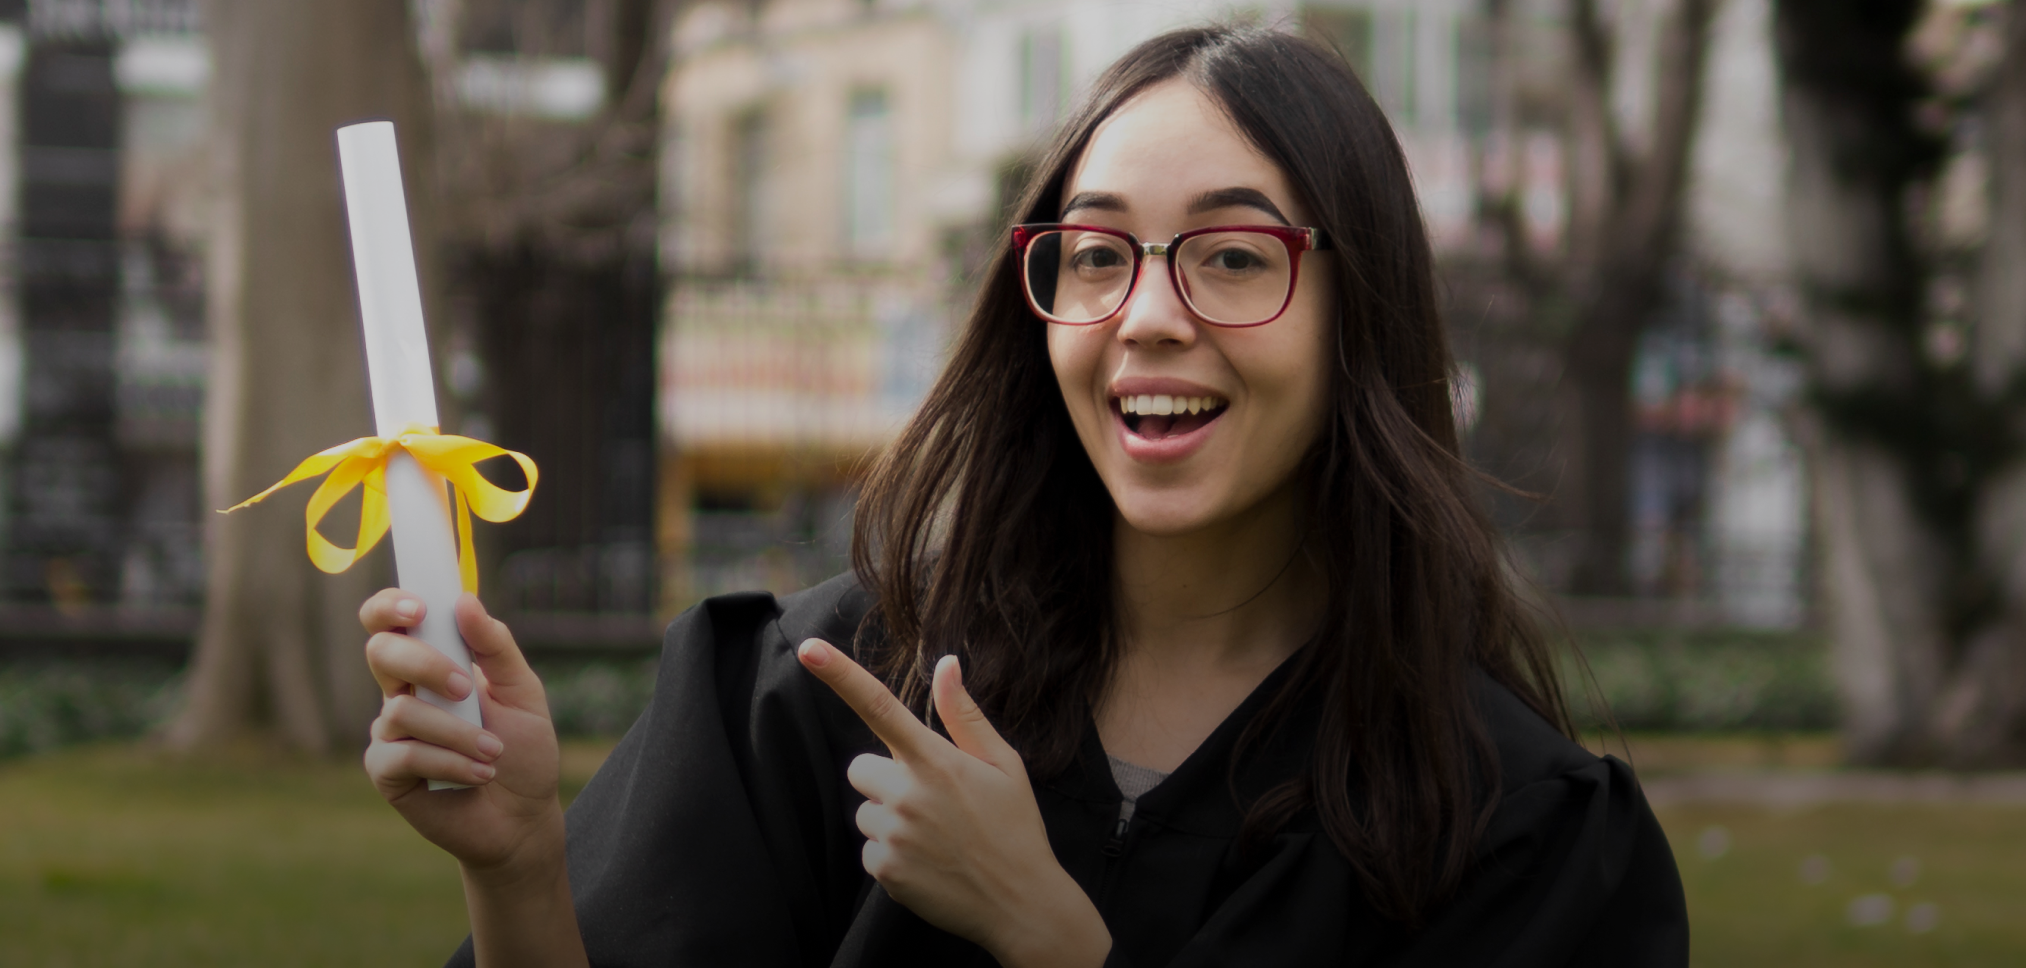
1753	903
114	855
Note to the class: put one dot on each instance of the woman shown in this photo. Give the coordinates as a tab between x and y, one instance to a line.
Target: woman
1179	563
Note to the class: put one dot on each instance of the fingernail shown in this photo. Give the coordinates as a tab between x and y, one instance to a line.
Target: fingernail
407	608
812	652
459	684
484	770
490	745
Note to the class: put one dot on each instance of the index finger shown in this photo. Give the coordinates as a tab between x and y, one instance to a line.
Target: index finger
870	699
389	609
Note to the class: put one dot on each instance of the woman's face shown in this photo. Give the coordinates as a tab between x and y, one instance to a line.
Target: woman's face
1166	162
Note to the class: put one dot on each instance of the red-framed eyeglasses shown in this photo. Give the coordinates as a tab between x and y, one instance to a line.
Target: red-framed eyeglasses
1228	275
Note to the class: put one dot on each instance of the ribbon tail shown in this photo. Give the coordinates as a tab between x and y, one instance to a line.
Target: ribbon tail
467	561
314	465
374	517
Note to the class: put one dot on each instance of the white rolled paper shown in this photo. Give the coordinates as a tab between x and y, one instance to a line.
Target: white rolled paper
404	391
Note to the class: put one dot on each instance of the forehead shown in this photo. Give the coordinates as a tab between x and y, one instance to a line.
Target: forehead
1168	144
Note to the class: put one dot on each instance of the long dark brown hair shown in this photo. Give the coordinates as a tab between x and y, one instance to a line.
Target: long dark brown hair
984	528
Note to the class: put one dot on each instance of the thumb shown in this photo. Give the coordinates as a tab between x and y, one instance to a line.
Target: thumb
969	729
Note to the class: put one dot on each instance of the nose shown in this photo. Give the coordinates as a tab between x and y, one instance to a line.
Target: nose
1154	314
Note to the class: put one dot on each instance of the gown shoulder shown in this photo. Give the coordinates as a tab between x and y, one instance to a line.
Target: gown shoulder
1573	867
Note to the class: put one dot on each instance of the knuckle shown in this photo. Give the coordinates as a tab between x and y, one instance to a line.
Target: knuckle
403	711
878	861
384	651
937	768
399	758
906	808
374	611
883	706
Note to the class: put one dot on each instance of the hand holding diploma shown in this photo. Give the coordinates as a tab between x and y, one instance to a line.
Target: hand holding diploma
507	833
513	763
952	828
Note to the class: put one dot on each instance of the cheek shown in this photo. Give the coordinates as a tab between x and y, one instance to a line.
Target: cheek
1076	353
1291	383
1303	355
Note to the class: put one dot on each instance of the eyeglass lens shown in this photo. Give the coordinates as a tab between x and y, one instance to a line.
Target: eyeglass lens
1230	278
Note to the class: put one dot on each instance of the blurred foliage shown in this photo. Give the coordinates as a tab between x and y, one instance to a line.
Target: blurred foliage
1661	681
596	697
49	703
1672	680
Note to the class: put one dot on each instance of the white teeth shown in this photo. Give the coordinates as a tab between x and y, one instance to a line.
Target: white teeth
1162	404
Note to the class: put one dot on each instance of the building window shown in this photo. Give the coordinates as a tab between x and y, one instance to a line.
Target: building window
1043	89
869	176
749	158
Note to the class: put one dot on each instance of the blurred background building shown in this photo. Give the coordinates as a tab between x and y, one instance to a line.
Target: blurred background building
704	346
102	203
835	171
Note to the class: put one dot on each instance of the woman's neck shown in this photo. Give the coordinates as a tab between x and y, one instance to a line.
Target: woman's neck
1240	593
1205	618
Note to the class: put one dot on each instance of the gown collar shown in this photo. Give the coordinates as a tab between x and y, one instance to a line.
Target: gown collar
1204	795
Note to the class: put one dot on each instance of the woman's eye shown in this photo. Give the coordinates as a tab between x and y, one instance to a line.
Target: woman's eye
1234	260
1099	258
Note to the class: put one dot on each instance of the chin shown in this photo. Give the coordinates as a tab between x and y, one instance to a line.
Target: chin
1167	513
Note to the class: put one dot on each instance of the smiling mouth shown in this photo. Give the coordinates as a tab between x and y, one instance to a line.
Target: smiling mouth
1158	417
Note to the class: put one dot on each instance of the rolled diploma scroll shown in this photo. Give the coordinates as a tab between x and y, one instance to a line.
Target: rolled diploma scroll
404	393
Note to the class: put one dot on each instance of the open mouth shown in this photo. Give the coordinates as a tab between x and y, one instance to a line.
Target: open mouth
1158	417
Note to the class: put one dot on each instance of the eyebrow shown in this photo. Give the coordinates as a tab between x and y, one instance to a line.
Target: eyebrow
1236	198
1209	201
1102	201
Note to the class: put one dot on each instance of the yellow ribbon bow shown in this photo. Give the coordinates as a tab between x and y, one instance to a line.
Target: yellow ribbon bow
364	462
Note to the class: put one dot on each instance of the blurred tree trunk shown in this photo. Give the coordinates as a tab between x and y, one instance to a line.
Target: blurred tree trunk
280	645
1920	495
1982	713
550	229
1624	221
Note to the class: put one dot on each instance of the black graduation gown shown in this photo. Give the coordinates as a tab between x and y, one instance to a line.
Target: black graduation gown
721	832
